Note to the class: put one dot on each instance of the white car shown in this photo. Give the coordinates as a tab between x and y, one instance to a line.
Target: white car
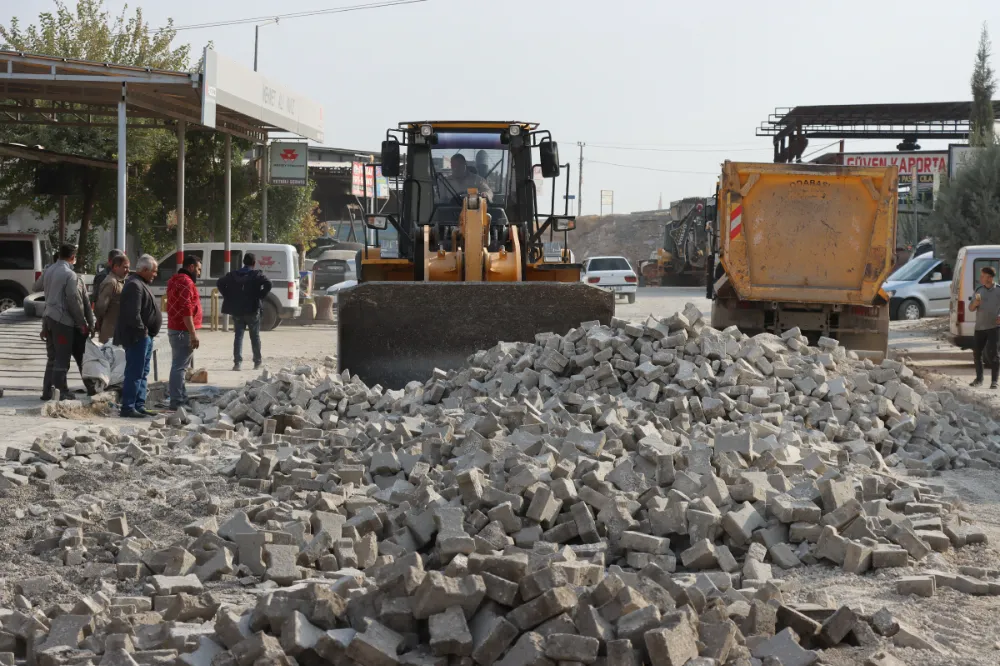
612	274
23	257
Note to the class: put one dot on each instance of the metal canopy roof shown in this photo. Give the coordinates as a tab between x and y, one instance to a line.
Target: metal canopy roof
942	120
39	154
48	90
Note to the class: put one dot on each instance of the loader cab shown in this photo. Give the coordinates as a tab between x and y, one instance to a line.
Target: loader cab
501	161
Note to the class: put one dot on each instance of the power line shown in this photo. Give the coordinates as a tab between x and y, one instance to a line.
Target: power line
726	149
277	17
634	166
674	145
821	149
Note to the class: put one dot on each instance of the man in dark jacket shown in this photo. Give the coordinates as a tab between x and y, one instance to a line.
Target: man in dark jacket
103	273
67	323
139	321
242	292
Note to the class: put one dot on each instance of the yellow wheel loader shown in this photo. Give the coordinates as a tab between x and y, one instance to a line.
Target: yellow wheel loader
464	260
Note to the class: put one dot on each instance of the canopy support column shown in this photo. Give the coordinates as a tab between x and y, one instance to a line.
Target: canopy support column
122	172
181	131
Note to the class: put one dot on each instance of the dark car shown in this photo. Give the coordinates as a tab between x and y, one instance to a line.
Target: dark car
330	270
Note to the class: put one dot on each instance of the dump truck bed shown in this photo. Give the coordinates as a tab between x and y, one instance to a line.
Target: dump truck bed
807	233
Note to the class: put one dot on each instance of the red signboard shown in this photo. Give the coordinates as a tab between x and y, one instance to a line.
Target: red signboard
359	176
932	163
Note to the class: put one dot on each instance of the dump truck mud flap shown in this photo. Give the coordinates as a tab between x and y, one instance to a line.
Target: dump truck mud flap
391	333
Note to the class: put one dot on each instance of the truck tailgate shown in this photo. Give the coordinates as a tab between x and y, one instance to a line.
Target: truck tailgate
807	233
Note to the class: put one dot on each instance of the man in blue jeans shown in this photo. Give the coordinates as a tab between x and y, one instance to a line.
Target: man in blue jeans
183	321
242	292
139	321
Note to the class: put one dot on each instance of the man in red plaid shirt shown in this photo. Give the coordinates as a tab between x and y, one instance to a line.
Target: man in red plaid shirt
183	322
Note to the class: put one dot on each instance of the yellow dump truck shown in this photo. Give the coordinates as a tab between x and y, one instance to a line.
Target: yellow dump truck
805	246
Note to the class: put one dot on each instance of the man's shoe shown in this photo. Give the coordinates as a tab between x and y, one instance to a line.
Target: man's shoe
148	412
131	414
46	398
257	364
236	367
976	383
993	385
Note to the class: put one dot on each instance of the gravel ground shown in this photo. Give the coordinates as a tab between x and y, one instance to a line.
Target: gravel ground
160	501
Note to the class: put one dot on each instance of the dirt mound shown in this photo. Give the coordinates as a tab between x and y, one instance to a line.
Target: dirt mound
633	236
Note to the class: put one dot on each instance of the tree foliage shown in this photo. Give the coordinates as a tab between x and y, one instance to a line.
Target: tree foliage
983	86
87	32
967	210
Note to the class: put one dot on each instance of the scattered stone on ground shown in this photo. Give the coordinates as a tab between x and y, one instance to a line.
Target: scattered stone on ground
628	494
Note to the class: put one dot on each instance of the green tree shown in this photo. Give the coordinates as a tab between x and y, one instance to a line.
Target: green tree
967	210
983	86
89	32
204	199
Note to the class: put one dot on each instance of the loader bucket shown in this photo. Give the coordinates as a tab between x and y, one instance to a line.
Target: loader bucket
391	333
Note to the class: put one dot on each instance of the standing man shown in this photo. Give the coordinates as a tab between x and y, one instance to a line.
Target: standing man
242	292
106	270
66	308
986	305
138	323
183	322
109	298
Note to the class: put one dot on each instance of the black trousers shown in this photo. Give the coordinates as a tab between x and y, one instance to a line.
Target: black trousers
984	350
62	344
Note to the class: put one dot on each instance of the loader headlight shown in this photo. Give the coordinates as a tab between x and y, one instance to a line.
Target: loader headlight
473	201
515	130
426	130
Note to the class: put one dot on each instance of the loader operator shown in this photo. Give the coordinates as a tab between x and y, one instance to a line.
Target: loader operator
460	180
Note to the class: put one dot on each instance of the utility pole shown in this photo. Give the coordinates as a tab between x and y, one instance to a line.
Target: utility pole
265	153
579	187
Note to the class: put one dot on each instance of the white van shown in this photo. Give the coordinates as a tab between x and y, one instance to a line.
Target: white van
971	260
280	263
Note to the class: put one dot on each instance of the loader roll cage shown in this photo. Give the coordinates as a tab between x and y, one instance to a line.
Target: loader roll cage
495	156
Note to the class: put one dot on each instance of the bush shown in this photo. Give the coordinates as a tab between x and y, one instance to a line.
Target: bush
967	210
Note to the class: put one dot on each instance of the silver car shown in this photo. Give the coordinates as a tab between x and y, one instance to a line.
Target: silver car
919	288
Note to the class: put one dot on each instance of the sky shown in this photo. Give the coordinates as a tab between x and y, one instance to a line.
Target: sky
679	87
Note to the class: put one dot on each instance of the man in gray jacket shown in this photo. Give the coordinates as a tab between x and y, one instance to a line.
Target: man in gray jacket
68	320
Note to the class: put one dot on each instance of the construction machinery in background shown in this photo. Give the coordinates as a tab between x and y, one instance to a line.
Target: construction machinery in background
805	246
466	260
686	248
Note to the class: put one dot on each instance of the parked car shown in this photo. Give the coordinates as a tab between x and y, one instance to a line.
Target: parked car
333	290
325	245
332	267
970	261
280	263
612	274
920	288
23	257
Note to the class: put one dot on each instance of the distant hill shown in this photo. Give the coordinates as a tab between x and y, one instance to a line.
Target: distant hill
634	236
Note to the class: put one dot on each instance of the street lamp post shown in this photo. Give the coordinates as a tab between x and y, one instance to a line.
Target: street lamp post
264	151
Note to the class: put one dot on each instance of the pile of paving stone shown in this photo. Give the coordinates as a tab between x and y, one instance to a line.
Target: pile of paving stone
617	495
